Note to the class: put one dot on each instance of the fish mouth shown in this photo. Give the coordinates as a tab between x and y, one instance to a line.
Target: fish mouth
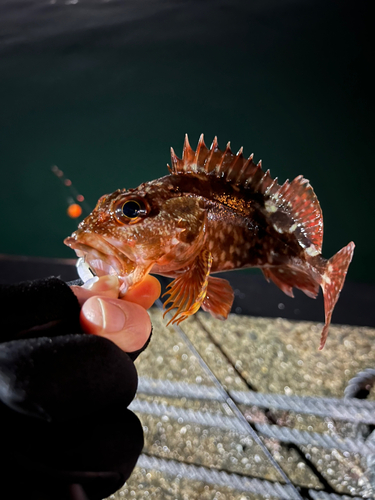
102	257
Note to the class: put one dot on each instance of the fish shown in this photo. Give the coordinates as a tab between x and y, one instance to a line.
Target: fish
215	211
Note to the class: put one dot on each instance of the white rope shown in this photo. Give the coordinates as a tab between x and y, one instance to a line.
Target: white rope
349	409
225	479
283	434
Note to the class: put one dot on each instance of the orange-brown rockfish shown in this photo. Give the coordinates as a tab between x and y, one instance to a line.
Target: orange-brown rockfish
216	211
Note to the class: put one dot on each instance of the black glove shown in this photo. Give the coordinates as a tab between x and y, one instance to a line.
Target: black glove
67	432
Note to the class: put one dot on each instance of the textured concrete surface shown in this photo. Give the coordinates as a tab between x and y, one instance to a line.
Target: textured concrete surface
266	355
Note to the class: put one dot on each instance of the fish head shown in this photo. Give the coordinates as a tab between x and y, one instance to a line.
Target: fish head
132	231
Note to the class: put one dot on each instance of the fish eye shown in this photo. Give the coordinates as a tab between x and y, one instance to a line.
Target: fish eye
131	210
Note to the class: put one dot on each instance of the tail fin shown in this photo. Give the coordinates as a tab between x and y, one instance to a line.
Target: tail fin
332	282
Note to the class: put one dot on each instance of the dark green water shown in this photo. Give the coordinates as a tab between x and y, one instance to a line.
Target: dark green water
103	89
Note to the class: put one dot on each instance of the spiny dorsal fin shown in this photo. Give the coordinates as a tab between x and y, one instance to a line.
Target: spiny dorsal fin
226	165
296	198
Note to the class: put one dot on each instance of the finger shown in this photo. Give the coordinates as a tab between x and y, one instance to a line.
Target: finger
107	286
144	293
126	324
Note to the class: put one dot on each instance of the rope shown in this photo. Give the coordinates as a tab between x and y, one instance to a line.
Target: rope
216	477
283	434
353	410
225	479
359	383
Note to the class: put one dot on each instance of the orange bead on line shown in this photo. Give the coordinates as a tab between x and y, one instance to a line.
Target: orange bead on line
74	210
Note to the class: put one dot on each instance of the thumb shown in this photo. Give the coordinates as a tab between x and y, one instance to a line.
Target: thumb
126	324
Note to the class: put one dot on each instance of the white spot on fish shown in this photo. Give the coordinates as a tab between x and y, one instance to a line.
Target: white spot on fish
278	228
326	279
312	251
293	228
175	241
270	206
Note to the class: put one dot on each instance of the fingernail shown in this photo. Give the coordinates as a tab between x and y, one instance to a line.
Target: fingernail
109	316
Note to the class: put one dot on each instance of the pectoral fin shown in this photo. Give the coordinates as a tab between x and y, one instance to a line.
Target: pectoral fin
188	292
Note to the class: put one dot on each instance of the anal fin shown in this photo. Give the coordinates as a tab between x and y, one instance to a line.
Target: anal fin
287	277
188	291
219	298
275	277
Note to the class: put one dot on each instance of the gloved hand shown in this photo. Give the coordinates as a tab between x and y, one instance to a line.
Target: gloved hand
66	429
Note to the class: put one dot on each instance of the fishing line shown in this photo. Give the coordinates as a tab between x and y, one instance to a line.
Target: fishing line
226	399
266	412
76	201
